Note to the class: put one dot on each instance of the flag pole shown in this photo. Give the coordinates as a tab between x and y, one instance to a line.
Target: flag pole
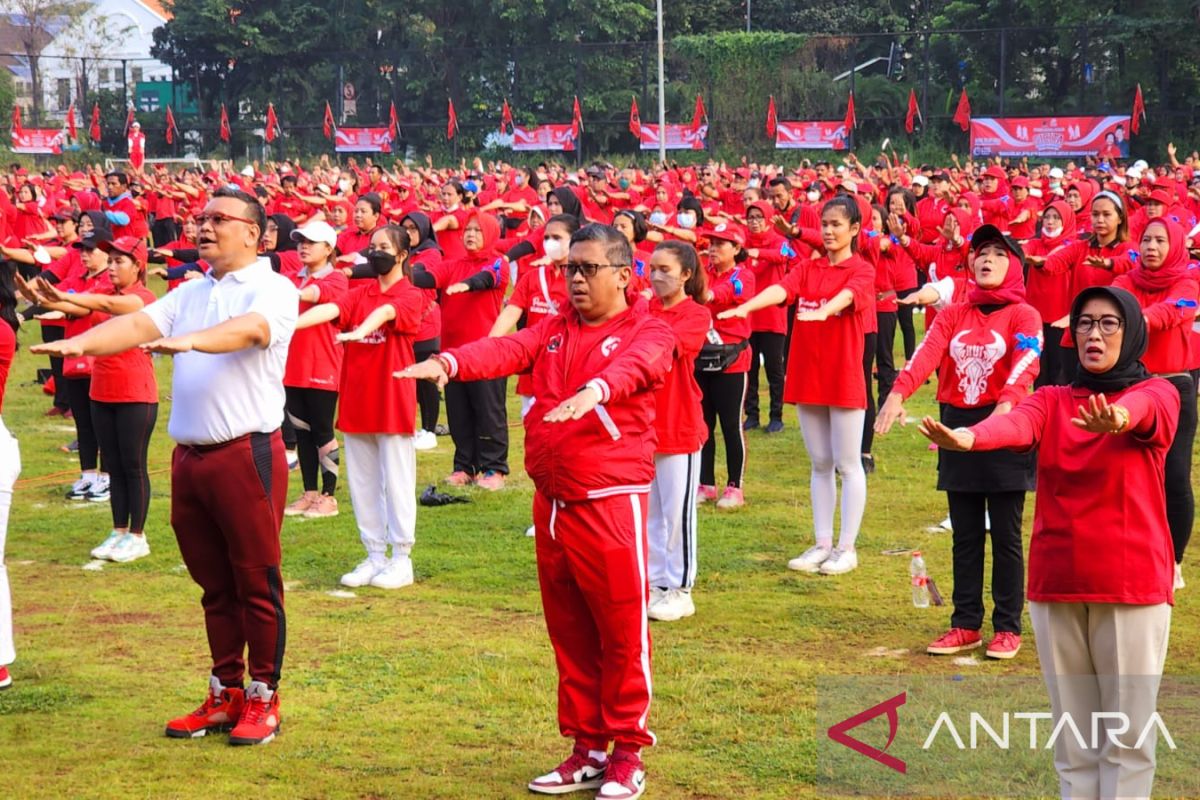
662	100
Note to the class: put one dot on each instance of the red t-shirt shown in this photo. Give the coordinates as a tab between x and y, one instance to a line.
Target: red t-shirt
730	289
1169	316
469	315
679	420
314	356
126	377
1049	293
824	365
372	401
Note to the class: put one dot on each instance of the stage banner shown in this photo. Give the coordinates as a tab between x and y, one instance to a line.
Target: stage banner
1051	137
679	137
362	140
829	134
543	137
39	140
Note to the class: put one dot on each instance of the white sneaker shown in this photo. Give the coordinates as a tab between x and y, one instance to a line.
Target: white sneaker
839	561
424	440
293	459
79	489
396	575
1179	583
363	573
674	605
657	593
531	530
105	547
98	492
811	559
129	548
945	524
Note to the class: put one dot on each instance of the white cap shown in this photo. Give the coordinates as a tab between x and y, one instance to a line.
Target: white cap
920	180
1141	164
316	231
1056	173
1134	173
850	186
248	171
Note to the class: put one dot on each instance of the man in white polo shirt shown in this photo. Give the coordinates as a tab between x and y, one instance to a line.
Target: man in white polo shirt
229	333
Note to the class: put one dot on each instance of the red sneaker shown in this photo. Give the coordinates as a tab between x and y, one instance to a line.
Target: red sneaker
459	478
260	716
1004	644
5	678
625	778
580	771
953	641
219	712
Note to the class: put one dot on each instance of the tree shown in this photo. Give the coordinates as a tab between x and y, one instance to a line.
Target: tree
37	21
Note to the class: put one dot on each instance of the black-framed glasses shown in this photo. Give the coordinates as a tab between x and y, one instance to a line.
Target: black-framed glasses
221	219
588	270
1109	325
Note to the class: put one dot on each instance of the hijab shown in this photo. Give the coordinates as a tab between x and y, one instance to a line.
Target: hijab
99	221
1010	290
490	227
283	240
569	202
424	229
1172	269
1128	370
1067	215
1083	217
768	235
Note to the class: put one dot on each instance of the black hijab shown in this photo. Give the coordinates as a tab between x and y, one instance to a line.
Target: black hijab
425	229
1129	369
569	202
283	241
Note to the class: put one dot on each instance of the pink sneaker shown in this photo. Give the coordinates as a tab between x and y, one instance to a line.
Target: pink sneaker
1004	644
580	771
732	498
5	678
492	481
460	478
324	506
706	494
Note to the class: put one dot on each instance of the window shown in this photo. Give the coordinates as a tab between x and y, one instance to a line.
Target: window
136	72
105	75
64	93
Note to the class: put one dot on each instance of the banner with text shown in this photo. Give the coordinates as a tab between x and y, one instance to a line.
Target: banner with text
362	140
543	137
816	135
679	137
1051	137
39	140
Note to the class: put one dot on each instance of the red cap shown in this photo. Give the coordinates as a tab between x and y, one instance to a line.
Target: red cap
131	246
742	172
22	171
1160	196
1020	182
995	171
729	232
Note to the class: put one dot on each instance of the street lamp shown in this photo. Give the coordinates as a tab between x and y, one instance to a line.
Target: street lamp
662	100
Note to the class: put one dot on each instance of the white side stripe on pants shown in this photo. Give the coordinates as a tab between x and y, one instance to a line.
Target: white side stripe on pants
639	535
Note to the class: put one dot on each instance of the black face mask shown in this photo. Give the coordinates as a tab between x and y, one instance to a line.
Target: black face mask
382	263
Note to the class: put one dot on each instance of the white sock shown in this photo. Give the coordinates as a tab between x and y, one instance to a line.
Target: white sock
598	755
89	475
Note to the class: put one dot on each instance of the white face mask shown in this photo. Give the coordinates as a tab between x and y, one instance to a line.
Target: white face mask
658	217
556	249
1051	229
753	183
686	219
813	196
344	184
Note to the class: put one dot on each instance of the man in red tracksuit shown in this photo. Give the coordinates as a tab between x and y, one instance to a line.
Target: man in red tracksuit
589	449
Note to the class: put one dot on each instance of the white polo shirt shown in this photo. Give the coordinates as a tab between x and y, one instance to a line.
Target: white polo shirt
219	397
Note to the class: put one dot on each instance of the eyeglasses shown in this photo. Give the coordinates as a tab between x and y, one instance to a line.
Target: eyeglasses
220	219
588	270
1109	325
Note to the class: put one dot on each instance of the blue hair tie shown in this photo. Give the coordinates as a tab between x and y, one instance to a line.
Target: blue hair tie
1134	255
1183	302
787	251
1029	343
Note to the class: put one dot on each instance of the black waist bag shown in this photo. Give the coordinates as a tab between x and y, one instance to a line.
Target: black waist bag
719	357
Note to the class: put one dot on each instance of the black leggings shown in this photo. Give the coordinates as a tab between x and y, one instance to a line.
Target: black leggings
723	394
78	390
885	361
1181	505
311	413
124	431
54	333
478	425
767	347
1053	365
904	317
429	399
868	433
967	511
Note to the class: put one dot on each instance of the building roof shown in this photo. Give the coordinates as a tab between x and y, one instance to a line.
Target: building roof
156	7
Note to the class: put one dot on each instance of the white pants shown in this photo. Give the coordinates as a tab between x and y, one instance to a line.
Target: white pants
833	438
382	472
10	468
671	524
1102	657
526	404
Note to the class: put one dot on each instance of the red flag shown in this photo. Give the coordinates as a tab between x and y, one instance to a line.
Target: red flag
18	130
700	115
506	117
962	115
576	119
272	129
1139	112
171	128
635	119
451	121
94	129
129	120
72	131
914	112
225	131
772	118
851	121
393	122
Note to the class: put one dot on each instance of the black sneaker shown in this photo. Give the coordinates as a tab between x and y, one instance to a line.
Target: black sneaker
73	447
775	426
868	462
750	424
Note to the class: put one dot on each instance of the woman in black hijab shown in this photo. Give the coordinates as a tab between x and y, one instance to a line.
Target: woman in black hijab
1101	560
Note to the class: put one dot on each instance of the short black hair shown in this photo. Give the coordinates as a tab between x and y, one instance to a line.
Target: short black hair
616	247
120	176
254	210
373	200
287	179
640	229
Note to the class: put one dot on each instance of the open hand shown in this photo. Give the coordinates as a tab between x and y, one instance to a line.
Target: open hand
574	407
961	439
430	369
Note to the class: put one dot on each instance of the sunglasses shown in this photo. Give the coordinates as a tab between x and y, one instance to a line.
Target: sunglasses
588	270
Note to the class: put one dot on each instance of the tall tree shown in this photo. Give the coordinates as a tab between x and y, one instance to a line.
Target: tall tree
37	22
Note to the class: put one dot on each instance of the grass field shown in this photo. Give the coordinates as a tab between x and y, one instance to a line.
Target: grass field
446	689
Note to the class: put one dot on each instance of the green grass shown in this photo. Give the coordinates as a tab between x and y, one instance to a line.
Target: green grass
447	689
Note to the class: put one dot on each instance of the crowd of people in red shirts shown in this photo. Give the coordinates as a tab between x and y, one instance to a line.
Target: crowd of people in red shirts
1028	275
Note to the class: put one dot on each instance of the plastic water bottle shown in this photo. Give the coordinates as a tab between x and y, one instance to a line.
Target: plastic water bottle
920	581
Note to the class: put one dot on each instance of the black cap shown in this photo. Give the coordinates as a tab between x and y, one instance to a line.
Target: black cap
990	234
63	216
93	239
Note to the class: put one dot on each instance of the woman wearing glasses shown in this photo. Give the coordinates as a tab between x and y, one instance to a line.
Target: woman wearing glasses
986	352
1167	292
1100	558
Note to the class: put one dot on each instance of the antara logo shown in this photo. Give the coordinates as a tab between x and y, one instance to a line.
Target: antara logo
609	345
838	732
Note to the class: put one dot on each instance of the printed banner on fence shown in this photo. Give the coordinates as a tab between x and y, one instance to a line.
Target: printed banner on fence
543	137
38	140
679	137
1051	137
829	134
363	140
